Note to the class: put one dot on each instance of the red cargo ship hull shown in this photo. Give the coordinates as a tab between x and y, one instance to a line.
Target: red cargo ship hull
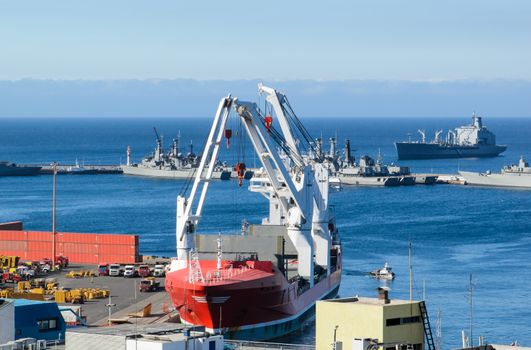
248	300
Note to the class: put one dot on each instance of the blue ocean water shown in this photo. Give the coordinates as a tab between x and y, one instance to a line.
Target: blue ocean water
455	230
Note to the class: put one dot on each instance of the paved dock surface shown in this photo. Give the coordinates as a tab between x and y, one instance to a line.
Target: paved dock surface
124	293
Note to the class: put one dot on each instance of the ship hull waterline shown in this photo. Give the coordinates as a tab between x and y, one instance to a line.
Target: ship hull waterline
497	180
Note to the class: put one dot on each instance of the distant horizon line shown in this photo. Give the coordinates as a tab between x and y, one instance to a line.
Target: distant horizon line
488	117
154	79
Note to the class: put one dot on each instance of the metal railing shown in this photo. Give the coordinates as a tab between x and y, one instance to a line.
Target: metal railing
255	345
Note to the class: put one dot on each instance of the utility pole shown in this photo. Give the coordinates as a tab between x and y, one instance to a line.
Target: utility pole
110	305
53	214
410	274
471	309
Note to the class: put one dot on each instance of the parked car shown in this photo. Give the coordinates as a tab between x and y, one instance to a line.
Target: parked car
115	270
103	269
25	271
130	271
159	271
144	271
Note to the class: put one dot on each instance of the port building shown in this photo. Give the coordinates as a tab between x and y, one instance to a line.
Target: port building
360	323
22	318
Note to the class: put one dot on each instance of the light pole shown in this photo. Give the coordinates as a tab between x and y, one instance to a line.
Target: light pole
110	305
54	165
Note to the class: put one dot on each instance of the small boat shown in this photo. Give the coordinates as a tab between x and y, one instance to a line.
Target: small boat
384	273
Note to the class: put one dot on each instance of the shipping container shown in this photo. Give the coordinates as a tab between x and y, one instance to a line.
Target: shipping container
117	249
12	245
12	235
78	247
39	236
121	239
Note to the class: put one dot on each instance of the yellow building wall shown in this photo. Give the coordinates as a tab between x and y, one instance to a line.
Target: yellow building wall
412	332
351	319
362	320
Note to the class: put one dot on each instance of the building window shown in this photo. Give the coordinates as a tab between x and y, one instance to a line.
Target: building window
392	322
414	319
404	320
47	325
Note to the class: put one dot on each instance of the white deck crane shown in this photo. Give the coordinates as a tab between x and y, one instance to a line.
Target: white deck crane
301	191
320	218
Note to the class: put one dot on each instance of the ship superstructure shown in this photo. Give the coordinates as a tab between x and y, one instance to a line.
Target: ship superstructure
264	282
468	141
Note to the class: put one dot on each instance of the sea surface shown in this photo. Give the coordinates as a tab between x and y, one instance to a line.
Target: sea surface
455	230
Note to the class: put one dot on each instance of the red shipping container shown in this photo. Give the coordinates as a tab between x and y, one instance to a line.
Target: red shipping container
12	246
117	249
39	236
12	235
117	239
39	246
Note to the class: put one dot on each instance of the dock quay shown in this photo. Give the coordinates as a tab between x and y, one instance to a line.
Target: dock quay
75	169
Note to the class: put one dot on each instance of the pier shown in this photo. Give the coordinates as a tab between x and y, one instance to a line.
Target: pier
75	169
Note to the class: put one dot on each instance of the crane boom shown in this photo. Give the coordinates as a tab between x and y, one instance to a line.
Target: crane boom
301	191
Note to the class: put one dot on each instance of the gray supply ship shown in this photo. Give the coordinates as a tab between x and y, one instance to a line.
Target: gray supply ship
171	164
12	169
510	176
469	141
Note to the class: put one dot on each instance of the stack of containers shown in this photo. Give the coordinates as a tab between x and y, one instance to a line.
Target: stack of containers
88	248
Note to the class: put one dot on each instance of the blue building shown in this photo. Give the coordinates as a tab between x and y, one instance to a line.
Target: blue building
38	319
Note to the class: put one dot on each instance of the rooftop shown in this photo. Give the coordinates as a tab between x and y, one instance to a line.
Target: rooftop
26	302
369	301
128	330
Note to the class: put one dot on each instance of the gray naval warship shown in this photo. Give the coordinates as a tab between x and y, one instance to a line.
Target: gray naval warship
367	171
469	141
516	175
12	169
170	164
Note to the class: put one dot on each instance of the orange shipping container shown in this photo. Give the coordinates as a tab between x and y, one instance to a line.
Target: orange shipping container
117	249
117	239
12	235
12	245
39	236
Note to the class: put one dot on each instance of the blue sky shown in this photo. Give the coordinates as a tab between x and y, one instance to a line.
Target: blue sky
273	40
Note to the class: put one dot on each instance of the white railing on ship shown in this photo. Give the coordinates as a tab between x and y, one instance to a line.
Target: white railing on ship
243	345
225	274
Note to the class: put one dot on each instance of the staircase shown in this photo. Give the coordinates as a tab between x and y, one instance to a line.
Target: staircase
427	327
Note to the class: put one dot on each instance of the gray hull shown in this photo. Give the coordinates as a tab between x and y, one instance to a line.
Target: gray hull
370	180
15	170
170	174
498	180
407	150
